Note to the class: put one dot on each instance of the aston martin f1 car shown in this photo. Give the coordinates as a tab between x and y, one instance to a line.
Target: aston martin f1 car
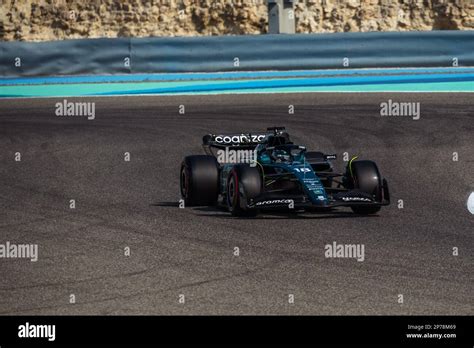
252	172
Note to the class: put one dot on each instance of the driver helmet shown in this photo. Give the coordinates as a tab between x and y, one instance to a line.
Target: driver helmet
281	155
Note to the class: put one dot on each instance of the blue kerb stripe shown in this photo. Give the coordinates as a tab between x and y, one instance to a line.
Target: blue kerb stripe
302	82
222	75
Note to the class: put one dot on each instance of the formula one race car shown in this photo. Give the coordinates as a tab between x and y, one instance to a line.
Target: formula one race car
250	172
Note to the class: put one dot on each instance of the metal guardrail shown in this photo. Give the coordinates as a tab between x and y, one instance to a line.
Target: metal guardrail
238	53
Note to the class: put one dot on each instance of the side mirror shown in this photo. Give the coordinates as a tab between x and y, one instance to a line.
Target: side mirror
330	157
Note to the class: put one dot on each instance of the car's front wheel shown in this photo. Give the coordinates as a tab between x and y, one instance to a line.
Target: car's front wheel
244	183
364	176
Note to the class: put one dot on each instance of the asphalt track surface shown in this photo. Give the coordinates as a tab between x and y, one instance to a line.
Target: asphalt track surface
189	251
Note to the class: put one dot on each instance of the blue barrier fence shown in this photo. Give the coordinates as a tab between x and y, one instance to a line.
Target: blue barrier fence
238	53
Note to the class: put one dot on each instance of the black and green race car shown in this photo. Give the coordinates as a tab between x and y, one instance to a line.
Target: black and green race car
252	172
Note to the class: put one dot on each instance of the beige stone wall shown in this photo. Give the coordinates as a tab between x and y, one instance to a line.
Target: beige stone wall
38	20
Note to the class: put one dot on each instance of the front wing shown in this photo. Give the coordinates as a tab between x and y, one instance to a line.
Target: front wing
274	201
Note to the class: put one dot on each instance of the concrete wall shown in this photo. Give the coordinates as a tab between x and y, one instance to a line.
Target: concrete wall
40	20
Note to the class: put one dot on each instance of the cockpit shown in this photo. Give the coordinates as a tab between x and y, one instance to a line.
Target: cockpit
281	154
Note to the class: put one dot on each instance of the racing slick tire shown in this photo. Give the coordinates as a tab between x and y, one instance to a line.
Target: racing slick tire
365	176
247	179
199	180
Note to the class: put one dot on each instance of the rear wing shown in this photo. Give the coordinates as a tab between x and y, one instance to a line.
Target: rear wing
243	141
234	140
240	139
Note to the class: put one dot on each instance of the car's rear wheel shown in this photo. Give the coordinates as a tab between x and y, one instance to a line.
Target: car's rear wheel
364	176
199	180
244	183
